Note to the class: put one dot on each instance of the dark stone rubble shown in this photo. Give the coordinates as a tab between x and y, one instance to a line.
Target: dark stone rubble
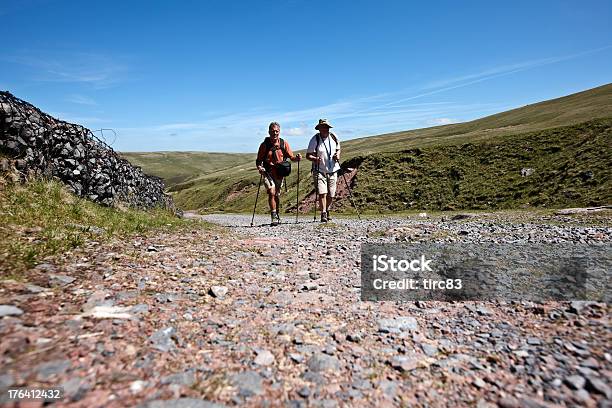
36	143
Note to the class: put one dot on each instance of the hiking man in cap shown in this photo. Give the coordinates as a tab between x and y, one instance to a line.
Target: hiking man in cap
324	152
273	151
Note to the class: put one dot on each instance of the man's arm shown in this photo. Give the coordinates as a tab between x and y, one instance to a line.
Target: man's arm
261	154
296	157
311	153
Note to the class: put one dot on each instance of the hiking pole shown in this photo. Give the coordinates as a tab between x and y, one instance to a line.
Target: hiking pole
256	198
297	198
351	196
316	198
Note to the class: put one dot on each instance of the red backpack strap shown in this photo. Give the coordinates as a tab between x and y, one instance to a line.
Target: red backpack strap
283	146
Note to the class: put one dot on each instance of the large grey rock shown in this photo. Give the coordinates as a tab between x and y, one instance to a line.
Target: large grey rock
75	388
598	386
580	306
163	339
6	380
139	308
322	362
35	288
60	280
314	378
218	291
46	371
429	349
264	358
249	383
10	310
575	381
397	324
388	388
404	363
186	378
182	403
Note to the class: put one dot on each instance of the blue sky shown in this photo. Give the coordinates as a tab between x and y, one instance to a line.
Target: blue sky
211	75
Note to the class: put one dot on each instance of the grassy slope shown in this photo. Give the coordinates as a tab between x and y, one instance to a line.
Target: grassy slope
216	190
37	220
176	167
572	166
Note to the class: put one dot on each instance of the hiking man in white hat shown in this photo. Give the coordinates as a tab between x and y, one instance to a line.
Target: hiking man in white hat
324	153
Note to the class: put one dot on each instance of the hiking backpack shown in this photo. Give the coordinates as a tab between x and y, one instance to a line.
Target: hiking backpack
283	168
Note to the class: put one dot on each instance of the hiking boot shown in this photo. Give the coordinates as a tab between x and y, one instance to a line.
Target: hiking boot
323	217
275	219
278	218
329	218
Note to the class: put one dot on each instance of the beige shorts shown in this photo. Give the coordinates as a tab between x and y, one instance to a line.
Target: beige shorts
270	183
325	183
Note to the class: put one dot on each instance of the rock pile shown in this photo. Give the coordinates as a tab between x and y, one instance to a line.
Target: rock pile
46	146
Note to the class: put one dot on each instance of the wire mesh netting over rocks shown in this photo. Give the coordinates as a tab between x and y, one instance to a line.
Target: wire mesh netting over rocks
35	143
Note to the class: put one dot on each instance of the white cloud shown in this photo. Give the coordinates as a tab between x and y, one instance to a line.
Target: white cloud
441	121
468	79
441	86
177	126
368	115
295	131
249	129
79	120
81	100
97	70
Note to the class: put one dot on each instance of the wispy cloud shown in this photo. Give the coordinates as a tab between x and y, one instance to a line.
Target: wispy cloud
296	131
441	86
97	70
87	121
177	126
80	100
495	72
488	73
441	121
362	116
215	134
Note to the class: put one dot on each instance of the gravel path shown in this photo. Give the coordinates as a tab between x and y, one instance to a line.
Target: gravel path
271	316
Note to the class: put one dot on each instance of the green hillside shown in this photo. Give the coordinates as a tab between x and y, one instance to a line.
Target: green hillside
176	167
234	189
568	110
559	167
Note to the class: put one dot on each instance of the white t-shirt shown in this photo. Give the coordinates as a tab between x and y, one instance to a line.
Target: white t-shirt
327	149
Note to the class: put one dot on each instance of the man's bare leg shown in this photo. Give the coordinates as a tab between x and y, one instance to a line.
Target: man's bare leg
272	199
329	203
323	203
277	205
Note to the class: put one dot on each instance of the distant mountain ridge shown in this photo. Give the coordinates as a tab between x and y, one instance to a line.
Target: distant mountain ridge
176	167
234	189
567	110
